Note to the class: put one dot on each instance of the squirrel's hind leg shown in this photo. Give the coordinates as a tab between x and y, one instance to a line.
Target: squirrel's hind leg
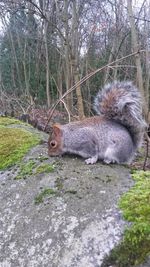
110	156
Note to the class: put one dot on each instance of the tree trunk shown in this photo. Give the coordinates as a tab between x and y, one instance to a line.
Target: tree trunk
25	69
15	59
109	61
135	46
147	63
75	61
47	64
67	56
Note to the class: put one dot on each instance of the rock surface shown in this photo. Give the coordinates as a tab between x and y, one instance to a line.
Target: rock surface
76	227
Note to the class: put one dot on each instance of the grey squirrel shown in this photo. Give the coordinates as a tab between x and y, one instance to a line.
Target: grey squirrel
113	136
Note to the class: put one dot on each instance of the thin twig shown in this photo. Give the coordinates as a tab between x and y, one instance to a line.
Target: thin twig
147	151
86	78
69	116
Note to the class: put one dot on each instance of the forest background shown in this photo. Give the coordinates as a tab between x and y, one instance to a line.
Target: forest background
48	46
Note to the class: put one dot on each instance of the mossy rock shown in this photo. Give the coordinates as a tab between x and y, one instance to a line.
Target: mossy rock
135	204
44	193
26	169
30	168
14	144
6	121
45	168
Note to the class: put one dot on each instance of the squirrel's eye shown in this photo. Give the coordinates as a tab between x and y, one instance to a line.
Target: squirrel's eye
53	143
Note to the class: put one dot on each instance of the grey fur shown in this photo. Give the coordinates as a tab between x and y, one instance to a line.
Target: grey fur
115	135
106	140
126	110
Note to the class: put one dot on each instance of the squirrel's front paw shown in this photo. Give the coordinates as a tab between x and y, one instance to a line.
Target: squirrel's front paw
91	160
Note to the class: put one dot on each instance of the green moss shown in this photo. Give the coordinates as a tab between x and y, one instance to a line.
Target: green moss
135	204
26	170
14	144
45	167
5	121
30	168
59	183
45	193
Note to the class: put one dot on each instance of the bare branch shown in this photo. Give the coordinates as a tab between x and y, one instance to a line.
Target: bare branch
86	78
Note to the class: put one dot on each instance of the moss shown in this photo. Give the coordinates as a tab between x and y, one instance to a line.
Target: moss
25	170
45	167
135	204
30	168
45	193
14	144
5	121
59	183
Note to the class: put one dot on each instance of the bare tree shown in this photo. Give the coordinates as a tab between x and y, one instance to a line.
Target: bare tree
136	48
72	39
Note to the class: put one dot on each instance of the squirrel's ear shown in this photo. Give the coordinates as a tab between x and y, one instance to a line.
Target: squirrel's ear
57	129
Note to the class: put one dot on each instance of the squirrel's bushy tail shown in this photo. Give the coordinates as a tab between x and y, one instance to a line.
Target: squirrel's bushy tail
121	102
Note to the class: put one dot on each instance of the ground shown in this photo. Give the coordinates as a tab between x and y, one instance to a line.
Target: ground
64	216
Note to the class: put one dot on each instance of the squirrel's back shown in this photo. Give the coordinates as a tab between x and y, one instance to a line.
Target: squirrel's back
114	136
121	102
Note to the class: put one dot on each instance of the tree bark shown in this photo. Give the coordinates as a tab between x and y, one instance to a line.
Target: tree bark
75	61
67	55
47	64
136	47
147	61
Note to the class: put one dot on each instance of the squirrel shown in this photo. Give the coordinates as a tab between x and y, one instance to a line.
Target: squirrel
114	135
